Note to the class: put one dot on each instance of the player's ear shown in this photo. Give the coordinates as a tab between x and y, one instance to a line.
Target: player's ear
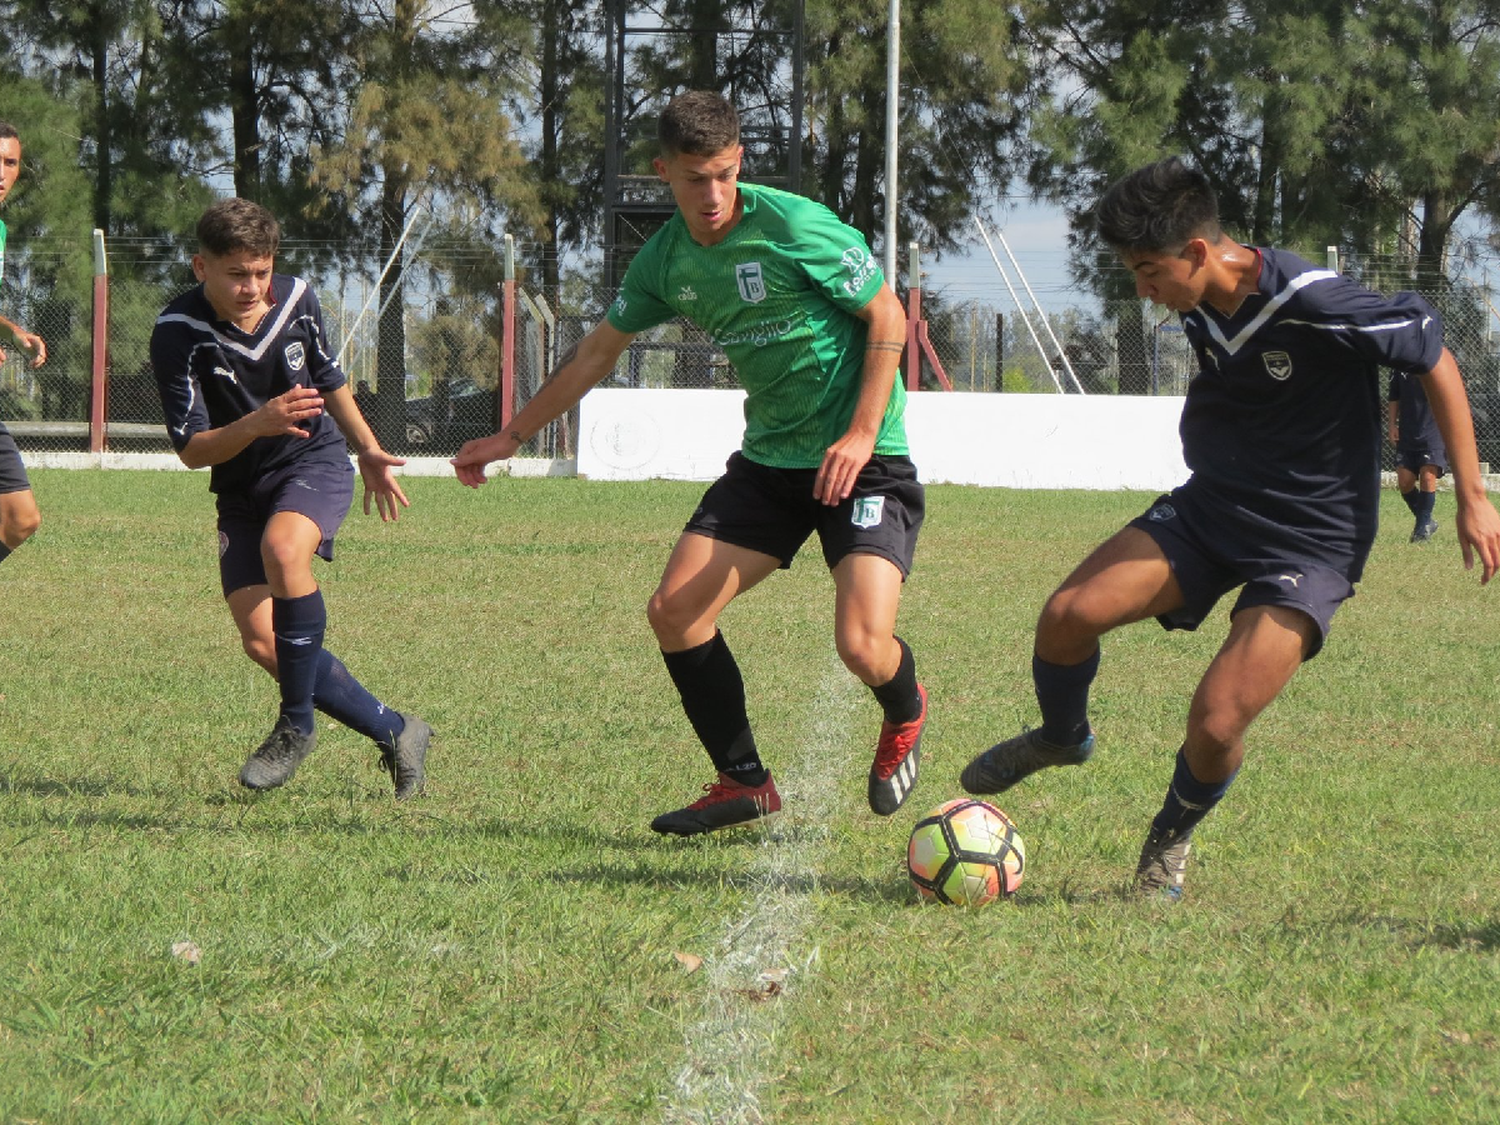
1196	252
661	168
200	267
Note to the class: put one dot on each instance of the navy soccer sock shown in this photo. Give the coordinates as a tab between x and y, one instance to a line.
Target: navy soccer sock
713	695
1422	507
298	625
1188	800
1062	692
4	552
898	696
1411	500
340	696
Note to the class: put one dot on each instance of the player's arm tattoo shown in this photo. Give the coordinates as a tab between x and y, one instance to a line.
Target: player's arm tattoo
563	360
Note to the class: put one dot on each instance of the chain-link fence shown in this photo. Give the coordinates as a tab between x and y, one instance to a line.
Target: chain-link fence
456	350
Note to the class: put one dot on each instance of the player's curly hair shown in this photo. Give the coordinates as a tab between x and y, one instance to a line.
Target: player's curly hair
8	131
233	225
698	123
1158	208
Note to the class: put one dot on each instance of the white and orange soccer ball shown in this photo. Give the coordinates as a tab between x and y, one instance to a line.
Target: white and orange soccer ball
965	853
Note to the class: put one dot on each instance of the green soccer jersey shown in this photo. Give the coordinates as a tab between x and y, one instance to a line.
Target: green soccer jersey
778	295
2	251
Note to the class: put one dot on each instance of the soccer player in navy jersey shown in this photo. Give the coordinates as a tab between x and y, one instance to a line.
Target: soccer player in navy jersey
799	304
1421	457
1281	429
19	515
249	387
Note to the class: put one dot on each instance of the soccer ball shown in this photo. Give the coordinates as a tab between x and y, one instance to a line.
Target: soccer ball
965	853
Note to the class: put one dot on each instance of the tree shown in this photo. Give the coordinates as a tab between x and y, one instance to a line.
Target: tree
426	126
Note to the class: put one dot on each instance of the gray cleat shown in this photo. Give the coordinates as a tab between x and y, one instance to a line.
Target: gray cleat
1424	531
1162	865
1001	766
406	761
278	757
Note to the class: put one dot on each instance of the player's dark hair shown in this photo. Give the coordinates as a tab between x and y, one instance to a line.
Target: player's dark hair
7	130
232	225
698	123
1158	208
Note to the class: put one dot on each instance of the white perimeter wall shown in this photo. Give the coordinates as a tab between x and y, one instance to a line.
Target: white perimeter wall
1004	440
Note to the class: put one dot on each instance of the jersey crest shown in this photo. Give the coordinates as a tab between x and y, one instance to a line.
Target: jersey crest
1278	365
751	282
296	355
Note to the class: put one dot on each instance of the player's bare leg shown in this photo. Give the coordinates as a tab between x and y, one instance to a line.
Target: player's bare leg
867	594
1265	647
1126	579
703	576
19	519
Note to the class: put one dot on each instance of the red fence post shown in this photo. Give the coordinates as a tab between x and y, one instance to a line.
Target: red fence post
508	335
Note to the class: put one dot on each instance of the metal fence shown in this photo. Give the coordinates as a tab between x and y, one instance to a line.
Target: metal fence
465	349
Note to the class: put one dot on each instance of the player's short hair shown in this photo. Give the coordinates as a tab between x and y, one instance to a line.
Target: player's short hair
8	131
1158	208
698	123
232	225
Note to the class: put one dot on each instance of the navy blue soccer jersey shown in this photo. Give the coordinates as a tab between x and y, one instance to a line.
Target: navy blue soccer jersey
1417	429
210	373
1283	420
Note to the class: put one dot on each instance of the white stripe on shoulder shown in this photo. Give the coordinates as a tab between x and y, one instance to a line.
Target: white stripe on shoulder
1292	288
268	336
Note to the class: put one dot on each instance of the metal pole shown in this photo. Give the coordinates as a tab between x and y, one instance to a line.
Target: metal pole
97	408
892	95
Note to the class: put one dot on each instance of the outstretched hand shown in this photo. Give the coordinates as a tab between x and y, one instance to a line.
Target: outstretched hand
375	467
285	414
474	455
1478	529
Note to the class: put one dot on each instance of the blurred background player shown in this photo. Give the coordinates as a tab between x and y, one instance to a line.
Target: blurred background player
1281	429
249	387
1421	457
19	516
800	306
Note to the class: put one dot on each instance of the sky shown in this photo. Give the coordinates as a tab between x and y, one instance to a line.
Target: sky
1038	237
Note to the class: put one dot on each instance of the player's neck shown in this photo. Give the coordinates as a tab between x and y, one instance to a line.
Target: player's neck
1234	274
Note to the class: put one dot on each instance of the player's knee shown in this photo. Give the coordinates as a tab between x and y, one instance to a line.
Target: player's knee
1217	732
865	654
25	525
1070	614
669	617
262	650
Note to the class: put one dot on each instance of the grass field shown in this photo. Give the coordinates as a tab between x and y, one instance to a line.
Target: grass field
506	947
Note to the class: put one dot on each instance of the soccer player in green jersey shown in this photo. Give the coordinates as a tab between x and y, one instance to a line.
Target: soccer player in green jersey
800	306
19	516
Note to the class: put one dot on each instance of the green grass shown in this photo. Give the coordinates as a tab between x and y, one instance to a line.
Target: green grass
503	949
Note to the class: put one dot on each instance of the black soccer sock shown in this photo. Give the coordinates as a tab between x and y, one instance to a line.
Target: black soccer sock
4	552
298	625
1188	800
713	695
898	696
1062	692
340	696
1411	500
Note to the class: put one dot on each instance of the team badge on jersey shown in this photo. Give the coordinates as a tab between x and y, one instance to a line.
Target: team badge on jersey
1278	365
751	282
296	356
868	511
1162	512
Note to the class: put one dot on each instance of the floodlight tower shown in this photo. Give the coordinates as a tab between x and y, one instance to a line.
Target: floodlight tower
720	36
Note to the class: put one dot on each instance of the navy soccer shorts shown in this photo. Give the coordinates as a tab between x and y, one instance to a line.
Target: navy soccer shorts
773	511
1211	552
12	469
1415	459
320	490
